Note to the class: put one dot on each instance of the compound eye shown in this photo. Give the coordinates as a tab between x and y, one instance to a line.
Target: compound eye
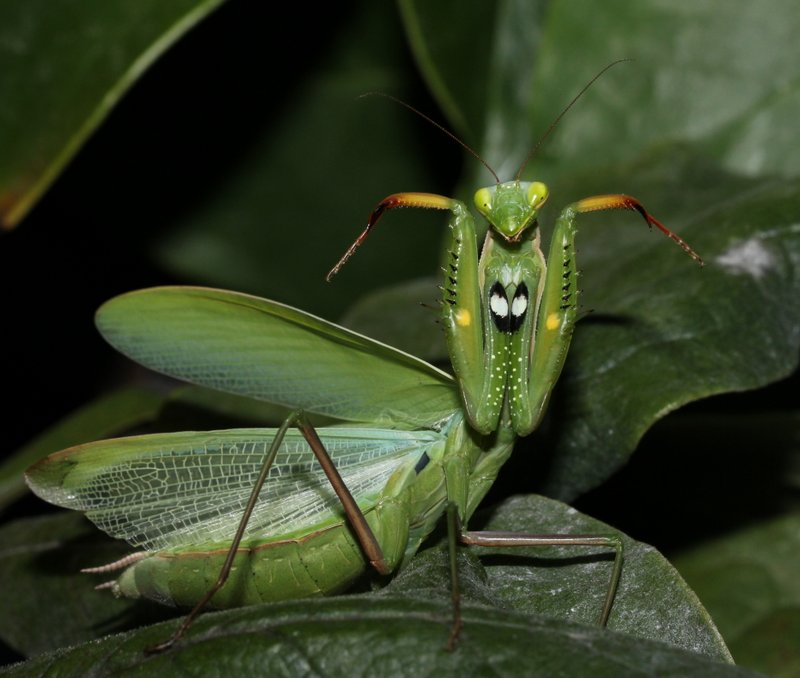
537	194
483	200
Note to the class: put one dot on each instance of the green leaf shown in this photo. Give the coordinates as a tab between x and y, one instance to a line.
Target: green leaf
109	414
653	601
280	217
456	70
727	104
65	65
401	637
404	315
55	605
379	630
748	580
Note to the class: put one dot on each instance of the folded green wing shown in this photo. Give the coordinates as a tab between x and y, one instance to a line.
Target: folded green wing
262	349
177	490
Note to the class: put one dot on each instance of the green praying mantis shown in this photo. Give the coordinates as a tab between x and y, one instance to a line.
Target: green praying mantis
235	517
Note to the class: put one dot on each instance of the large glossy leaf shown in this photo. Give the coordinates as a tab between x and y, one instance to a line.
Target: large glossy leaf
404	315
53	605
749	582
254	347
401	637
416	603
65	65
653	601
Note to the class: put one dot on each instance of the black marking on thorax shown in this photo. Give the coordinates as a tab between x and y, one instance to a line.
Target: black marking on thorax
424	460
508	317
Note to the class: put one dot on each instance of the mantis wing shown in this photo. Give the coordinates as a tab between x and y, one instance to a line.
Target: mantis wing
173	490
268	351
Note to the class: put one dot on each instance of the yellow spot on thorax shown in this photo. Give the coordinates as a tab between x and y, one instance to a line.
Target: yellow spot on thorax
463	317
553	321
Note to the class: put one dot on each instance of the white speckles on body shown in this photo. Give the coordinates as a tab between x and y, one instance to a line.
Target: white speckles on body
749	257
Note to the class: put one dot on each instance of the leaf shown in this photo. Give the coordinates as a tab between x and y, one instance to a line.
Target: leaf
405	316
378	630
65	66
653	601
405	638
55	605
276	220
748	580
726	107
109	414
456	70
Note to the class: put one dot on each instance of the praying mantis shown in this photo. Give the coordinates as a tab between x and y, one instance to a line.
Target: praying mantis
235	517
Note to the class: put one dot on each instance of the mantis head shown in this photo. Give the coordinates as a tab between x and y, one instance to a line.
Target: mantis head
511	207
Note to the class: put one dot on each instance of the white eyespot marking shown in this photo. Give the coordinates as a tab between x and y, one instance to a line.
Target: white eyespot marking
518	306
499	306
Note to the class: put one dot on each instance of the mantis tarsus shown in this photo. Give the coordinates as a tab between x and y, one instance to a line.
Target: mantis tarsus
413	440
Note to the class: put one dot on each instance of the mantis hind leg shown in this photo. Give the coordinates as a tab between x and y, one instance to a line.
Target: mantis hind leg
521	539
518	539
366	538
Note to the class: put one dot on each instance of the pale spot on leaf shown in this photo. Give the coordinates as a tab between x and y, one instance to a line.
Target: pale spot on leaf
750	257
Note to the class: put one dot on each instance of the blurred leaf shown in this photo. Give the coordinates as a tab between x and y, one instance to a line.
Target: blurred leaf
457	71
415	606
749	582
109	414
405	315
281	217
737	100
53	604
65	65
